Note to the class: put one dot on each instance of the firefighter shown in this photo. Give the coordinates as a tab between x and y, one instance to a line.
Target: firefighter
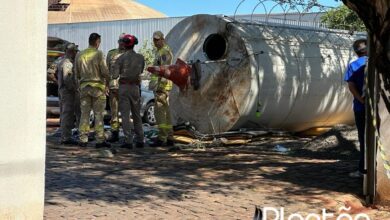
128	69
93	77
112	56
52	70
161	88
69	95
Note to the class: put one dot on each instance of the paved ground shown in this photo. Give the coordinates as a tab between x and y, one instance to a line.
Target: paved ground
216	183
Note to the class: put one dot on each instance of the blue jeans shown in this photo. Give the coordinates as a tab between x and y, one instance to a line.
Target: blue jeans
360	121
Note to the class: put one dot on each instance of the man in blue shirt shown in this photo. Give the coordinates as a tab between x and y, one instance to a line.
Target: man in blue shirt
355	78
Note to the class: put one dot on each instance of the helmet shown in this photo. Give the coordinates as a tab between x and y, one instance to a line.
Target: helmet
129	40
72	46
158	35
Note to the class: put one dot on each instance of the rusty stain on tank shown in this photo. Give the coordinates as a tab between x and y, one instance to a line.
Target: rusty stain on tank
255	69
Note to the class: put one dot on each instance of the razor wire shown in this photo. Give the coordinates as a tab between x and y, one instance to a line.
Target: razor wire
278	23
312	29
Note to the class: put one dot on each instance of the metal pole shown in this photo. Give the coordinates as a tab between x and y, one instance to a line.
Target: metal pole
370	134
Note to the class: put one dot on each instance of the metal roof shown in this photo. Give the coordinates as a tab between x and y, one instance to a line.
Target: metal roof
99	10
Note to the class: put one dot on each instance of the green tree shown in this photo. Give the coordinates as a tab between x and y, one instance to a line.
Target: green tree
148	51
376	16
343	18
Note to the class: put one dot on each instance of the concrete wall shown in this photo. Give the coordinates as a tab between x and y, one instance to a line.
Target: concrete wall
22	112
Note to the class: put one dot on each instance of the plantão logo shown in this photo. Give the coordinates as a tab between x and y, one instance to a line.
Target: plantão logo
271	213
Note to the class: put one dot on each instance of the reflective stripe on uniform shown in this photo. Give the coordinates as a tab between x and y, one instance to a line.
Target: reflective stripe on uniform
84	128
164	57
162	84
168	86
93	84
165	126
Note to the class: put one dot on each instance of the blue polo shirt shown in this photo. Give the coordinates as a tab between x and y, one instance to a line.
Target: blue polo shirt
355	74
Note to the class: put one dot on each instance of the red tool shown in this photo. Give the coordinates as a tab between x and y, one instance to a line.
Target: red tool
178	73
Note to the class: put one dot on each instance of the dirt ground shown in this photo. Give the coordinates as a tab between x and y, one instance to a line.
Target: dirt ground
225	182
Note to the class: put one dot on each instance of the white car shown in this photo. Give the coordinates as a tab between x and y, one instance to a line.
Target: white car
147	107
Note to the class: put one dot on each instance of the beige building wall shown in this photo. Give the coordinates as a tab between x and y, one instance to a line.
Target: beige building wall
22	112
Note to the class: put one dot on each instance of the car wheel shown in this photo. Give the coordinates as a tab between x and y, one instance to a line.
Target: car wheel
149	114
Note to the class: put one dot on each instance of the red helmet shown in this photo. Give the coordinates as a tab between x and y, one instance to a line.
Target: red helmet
129	40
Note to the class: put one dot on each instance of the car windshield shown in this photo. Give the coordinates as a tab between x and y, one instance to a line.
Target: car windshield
54	43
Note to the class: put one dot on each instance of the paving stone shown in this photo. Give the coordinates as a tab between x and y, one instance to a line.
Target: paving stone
217	183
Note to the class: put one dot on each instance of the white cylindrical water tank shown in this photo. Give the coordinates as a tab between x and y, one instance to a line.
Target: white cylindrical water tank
261	76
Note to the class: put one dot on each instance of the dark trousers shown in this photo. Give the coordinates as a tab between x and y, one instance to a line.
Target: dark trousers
360	121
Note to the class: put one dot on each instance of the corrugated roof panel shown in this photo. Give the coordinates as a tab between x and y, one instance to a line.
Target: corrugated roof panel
142	28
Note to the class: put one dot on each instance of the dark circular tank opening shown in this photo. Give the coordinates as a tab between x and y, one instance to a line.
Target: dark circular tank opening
215	46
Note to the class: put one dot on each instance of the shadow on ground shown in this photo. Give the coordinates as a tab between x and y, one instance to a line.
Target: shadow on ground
338	143
73	174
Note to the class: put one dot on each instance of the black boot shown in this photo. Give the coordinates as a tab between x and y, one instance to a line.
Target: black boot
139	144
170	143
103	144
83	144
158	143
126	145
69	142
114	137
